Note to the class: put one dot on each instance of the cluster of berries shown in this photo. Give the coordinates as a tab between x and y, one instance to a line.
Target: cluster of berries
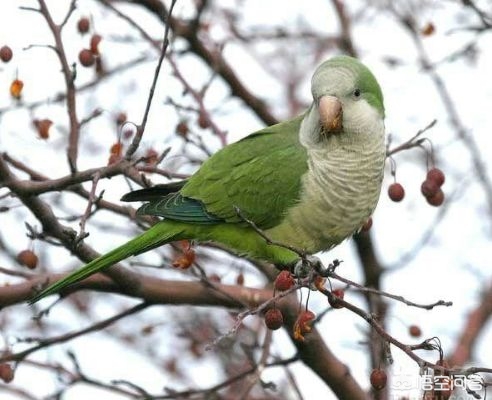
430	188
274	318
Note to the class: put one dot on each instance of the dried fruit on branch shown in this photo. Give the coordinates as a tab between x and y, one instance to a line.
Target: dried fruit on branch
27	258
274	319
6	372
303	324
284	281
16	88
6	54
43	127
83	25
185	260
396	192
86	58
378	379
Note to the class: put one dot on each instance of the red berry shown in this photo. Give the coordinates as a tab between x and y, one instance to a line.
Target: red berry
274	319
182	128
429	188
203	121
436	175
437	199
337	294
284	281
27	258
83	25
414	331
86	58
378	379
6	373
6	54
396	192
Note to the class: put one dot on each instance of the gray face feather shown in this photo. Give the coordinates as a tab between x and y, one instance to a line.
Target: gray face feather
354	86
342	76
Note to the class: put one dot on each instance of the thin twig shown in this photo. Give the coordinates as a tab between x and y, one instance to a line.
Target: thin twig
62	96
407	349
401	299
92	199
55	340
462	132
18	274
259	367
198	97
141	128
214	388
41	184
213	57
134	24
414	141
52	227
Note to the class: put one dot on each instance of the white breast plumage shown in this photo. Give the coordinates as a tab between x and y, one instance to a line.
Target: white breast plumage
340	189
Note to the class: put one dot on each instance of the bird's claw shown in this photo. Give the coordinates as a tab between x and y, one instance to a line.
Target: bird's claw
306	264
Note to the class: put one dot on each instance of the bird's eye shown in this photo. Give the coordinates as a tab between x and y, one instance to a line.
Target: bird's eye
356	93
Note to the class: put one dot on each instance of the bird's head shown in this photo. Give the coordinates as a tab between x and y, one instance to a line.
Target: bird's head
347	100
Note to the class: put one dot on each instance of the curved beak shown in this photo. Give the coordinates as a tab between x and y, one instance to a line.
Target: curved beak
330	114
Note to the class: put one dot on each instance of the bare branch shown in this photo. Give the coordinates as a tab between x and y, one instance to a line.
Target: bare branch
68	75
47	342
141	128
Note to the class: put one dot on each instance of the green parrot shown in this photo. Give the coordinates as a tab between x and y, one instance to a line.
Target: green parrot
309	182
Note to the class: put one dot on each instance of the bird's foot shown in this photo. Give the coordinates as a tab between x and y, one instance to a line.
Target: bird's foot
306	265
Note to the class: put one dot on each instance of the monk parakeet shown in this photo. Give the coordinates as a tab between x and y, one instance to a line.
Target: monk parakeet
309	182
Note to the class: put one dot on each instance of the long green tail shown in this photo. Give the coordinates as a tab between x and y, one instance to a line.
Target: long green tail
161	233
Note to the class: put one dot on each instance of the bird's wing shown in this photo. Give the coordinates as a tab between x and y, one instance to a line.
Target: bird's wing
260	175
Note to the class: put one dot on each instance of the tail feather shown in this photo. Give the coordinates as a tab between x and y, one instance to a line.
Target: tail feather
161	233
